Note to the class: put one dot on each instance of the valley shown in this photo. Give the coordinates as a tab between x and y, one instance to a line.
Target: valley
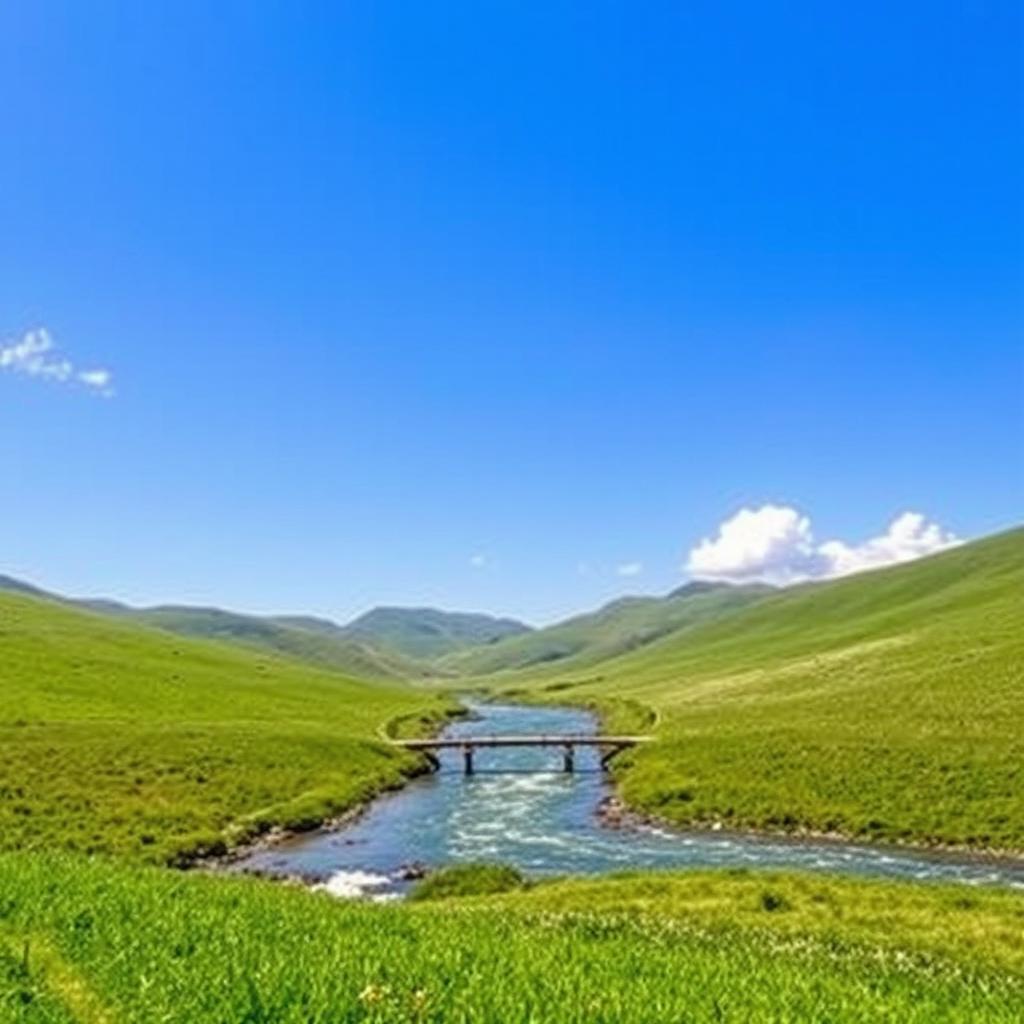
884	709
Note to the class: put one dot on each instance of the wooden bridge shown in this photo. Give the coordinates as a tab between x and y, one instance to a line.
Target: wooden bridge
609	746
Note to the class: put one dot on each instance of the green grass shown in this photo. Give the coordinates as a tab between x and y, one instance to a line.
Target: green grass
96	942
889	705
119	739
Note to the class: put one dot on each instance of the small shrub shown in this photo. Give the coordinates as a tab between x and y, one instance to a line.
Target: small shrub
772	901
468	880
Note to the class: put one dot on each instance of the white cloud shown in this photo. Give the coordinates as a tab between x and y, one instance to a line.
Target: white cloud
35	355
630	569
775	544
99	379
478	561
909	536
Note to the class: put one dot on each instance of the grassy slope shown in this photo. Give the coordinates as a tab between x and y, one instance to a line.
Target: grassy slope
887	705
111	944
118	738
585	640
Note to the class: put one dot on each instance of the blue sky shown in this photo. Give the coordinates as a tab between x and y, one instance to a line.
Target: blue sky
478	304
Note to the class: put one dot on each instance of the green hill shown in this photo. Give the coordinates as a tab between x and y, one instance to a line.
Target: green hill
317	642
887	705
120	738
427	633
306	638
621	626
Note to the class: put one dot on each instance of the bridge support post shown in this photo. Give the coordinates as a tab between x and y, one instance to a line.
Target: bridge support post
606	757
568	761
467	759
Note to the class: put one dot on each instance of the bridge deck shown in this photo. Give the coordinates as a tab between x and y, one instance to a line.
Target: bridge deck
566	740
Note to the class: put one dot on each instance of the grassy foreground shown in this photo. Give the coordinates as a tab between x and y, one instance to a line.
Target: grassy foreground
95	942
120	739
888	705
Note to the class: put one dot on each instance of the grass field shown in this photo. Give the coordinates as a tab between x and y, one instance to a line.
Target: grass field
119	739
888	705
97	942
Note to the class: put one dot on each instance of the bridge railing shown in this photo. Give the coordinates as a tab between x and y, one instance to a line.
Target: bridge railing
567	741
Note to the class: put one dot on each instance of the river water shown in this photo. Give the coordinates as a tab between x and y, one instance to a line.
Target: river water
520	808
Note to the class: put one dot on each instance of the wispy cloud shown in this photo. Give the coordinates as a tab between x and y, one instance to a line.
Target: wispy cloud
629	569
35	354
775	544
478	561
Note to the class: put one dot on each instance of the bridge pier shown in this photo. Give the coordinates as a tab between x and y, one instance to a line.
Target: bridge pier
467	759
567	763
607	755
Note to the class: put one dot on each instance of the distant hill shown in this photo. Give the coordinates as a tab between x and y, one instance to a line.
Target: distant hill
317	642
314	641
391	643
696	587
13	586
427	633
620	626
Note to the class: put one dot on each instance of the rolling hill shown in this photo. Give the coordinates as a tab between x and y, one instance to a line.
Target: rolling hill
324	644
618	627
427	633
116	737
315	641
887	705
383	643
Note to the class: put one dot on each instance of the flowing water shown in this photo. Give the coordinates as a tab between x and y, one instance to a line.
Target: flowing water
520	808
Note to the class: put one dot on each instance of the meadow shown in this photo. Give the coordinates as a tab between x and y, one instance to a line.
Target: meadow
92	941
119	739
884	706
888	706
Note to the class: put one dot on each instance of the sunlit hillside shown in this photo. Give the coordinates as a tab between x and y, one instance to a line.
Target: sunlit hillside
887	705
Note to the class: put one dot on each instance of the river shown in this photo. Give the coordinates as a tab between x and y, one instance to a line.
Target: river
520	808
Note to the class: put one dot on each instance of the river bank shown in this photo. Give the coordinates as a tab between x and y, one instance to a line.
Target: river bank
246	839
520	808
613	812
